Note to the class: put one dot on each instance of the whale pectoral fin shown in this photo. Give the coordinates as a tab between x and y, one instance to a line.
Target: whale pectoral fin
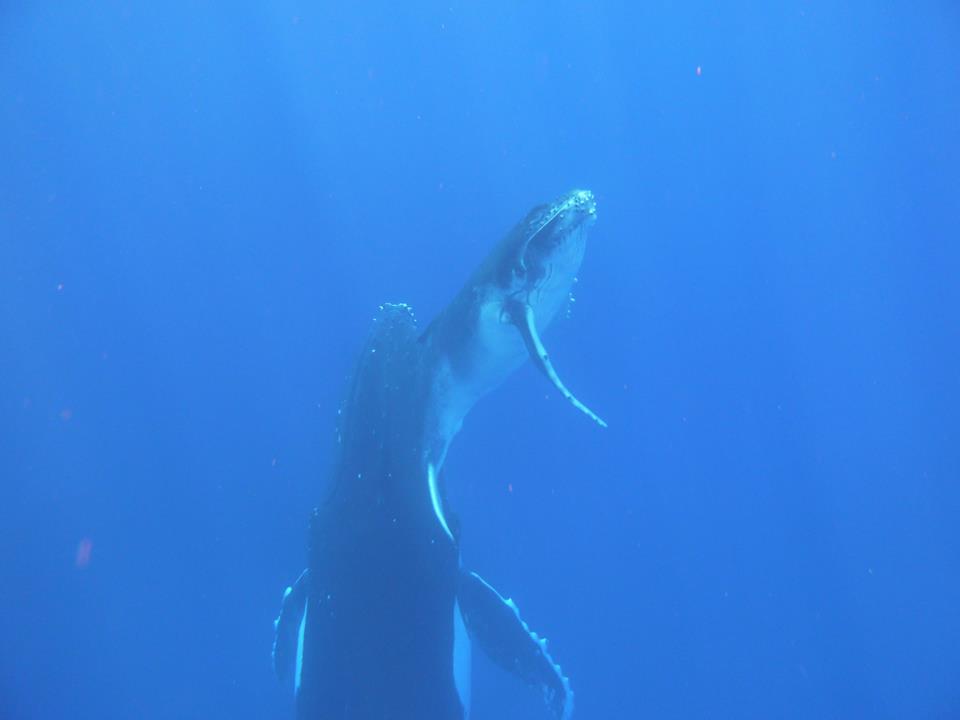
494	624
288	630
435	499
522	316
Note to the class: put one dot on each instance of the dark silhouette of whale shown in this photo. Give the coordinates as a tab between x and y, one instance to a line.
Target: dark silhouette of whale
379	625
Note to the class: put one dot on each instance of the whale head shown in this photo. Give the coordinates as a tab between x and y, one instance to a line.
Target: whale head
545	251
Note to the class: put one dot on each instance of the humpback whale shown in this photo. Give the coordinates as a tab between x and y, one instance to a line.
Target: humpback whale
380	624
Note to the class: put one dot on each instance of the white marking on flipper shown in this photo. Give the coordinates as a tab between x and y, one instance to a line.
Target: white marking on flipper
461	660
523	318
435	499
300	634
287	626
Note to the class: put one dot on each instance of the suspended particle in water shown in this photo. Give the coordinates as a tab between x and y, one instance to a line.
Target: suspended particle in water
84	551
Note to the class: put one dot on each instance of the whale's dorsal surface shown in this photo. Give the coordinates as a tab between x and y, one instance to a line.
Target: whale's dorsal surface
379	625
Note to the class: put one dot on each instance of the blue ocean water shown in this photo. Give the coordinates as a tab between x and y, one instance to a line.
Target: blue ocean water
202	205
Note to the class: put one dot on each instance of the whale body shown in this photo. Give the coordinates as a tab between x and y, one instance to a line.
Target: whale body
380	624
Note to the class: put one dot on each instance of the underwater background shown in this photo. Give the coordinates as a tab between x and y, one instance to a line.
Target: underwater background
202	205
